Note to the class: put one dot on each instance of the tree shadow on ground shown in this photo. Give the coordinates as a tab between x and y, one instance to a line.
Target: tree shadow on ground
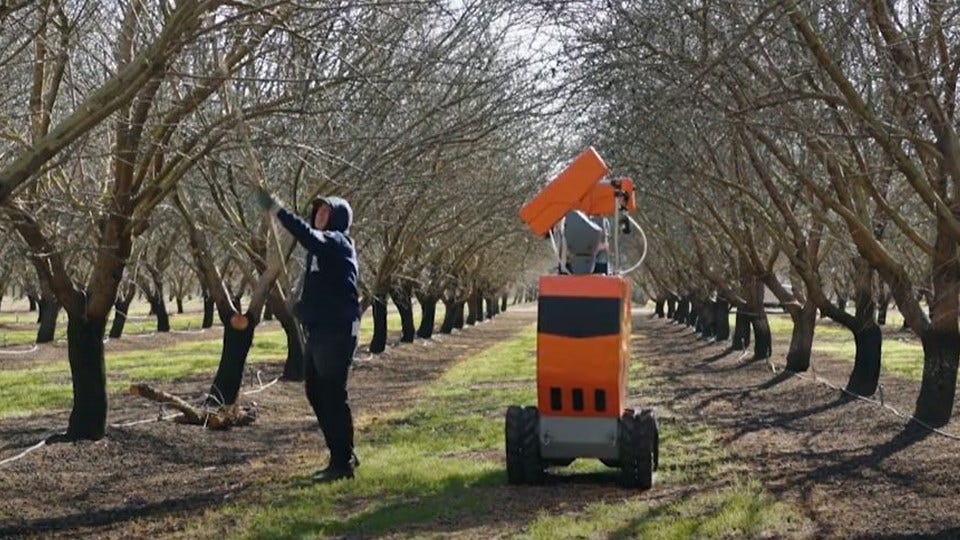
783	420
109	516
911	434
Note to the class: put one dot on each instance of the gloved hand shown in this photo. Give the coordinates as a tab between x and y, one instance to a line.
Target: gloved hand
266	201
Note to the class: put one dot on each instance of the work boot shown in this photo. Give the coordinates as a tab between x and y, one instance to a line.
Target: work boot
331	474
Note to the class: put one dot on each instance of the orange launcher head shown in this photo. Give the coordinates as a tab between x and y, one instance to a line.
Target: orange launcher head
578	187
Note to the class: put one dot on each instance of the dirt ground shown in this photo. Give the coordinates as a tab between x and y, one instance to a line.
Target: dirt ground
852	468
855	469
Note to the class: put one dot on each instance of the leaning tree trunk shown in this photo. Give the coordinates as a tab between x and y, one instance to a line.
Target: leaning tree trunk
721	319
801	339
49	311
88	419
120	309
208	309
293	366
233	359
402	299
428	315
379	341
741	330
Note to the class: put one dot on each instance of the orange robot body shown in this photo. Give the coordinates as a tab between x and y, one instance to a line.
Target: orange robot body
583	337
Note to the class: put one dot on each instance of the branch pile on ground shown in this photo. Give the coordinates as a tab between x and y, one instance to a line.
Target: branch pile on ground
222	417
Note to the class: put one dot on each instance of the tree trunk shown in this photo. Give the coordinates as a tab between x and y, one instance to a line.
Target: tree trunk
883	302
459	320
671	306
471	310
88	419
159	308
866	364
293	366
449	317
867	336
941	342
179	305
233	359
938	385
658	309
379	341
721	319
478	309
503	303
491	302
682	310
428	314
402	299
267	312
32	300
119	317
208	310
762	342
801	339
741	330
49	311
691	318
705	318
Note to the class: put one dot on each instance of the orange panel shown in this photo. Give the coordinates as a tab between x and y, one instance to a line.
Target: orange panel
584	286
565	364
587	364
564	192
600	200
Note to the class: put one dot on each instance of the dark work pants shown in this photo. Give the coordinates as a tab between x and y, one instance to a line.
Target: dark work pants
327	359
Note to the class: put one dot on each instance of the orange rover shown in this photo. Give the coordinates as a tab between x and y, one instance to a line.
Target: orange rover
583	337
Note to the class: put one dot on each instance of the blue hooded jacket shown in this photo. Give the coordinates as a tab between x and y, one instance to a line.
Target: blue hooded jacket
329	300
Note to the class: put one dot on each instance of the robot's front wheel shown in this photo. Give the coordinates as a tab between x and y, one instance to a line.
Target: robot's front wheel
524	464
639	448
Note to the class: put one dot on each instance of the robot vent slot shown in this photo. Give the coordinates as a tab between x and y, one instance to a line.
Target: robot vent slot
556	398
599	400
578	399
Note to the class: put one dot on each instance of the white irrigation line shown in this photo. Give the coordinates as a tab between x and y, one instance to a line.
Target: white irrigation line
24	453
879	402
33	349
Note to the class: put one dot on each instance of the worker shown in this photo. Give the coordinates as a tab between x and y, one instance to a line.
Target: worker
329	310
